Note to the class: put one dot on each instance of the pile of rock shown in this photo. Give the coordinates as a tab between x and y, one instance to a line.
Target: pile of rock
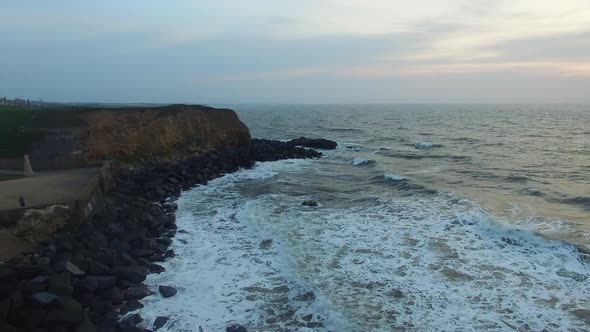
89	277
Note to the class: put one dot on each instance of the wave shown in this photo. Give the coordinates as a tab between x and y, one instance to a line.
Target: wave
358	161
437	263
414	156
402	184
581	201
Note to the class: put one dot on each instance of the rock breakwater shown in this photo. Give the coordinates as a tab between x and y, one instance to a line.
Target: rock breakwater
89	276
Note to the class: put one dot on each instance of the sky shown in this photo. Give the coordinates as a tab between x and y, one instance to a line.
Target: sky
303	51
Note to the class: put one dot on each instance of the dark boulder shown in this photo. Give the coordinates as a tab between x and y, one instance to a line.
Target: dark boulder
98	282
167	291
319	143
155	268
132	320
61	284
160	321
310	203
137	292
236	328
44	298
133	274
130	306
68	311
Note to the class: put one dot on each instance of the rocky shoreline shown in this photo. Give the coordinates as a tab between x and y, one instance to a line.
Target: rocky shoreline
89	276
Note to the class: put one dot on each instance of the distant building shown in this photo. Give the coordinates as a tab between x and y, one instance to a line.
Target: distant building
20	102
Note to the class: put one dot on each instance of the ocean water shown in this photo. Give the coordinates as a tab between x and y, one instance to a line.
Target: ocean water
431	218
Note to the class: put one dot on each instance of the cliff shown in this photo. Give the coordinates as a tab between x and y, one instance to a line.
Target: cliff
70	137
133	133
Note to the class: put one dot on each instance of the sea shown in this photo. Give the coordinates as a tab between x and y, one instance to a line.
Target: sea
429	218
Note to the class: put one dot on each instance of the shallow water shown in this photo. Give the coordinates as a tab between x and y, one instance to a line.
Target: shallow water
437	239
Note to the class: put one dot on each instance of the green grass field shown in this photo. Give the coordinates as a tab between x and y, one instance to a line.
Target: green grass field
20	127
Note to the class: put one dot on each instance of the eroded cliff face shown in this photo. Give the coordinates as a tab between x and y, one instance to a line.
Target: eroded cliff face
133	133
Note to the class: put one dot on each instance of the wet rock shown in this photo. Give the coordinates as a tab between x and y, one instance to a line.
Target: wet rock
169	254
70	311
86	325
396	293
167	291
98	282
310	203
73	269
7	273
60	284
44	298
137	292
132	320
265	244
307	318
130	306
236	328
155	268
160	321
320	143
112	294
133	274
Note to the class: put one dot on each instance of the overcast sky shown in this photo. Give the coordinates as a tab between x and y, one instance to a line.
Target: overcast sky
300	51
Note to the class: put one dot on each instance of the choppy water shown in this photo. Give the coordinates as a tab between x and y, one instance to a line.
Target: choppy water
467	234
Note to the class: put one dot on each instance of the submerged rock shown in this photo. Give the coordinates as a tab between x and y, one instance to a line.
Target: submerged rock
310	203
167	291
160	321
236	328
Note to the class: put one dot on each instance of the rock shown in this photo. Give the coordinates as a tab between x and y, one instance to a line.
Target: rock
133	274
44	297
130	306
60	284
132	320
7	273
265	244
320	143
39	224
70	311
98	282
112	294
310	203
236	328
137	292
167	291
307	318
155	268
169	254
160	321
86	325
73	269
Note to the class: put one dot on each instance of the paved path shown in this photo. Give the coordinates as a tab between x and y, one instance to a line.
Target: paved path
45	187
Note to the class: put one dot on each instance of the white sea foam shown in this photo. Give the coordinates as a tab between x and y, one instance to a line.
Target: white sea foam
358	161
423	145
393	177
407	263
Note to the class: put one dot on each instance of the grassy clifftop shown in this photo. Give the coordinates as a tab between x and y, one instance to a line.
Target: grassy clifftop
20	127
118	133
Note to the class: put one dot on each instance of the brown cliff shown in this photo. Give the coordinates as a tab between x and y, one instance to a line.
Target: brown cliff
70	137
131	133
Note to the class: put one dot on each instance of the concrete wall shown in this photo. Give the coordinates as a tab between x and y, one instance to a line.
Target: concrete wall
90	198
